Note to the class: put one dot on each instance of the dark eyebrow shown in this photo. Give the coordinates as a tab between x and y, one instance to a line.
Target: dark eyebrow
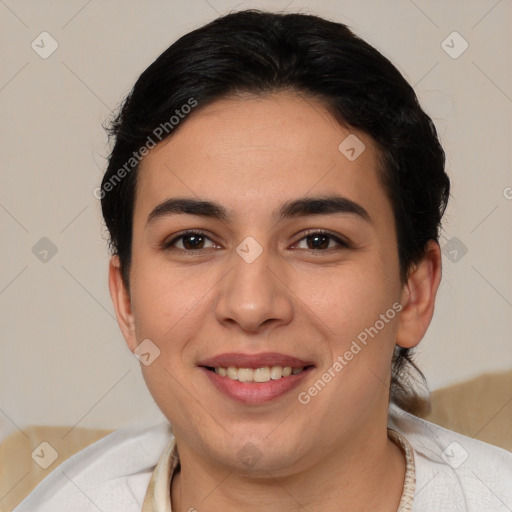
301	207
191	206
323	205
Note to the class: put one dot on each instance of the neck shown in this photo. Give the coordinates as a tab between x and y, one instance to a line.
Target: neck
366	473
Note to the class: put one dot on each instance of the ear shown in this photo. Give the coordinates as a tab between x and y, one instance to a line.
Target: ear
418	298
122	304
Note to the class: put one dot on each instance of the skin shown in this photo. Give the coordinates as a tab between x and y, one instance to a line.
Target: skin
251	155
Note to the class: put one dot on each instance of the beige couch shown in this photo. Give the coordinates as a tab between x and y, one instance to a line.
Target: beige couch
480	408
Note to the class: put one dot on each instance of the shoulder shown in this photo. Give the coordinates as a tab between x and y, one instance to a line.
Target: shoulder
455	472
111	474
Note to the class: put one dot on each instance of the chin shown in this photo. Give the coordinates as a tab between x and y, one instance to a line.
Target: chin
262	450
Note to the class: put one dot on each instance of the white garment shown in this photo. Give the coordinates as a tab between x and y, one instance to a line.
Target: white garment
453	472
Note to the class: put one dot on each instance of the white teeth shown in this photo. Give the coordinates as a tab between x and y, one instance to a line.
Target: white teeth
263	374
245	374
276	372
232	373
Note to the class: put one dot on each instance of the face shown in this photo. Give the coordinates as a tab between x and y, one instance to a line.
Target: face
269	275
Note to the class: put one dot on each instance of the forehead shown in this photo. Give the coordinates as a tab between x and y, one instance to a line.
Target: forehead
252	153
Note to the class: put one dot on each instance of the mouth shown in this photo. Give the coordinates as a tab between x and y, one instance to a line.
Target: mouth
258	375
255	378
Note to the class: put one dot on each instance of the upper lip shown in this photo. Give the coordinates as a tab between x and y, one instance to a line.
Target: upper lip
254	360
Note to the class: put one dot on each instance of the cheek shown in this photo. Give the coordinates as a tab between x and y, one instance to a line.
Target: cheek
161	298
357	305
349	299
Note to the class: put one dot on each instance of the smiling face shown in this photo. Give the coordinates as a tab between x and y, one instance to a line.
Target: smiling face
271	271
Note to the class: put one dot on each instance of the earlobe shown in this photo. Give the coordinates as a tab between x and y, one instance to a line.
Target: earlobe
122	303
418	298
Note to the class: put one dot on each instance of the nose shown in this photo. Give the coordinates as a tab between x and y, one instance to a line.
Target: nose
255	297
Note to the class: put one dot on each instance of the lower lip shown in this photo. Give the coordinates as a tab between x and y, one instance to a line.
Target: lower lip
255	392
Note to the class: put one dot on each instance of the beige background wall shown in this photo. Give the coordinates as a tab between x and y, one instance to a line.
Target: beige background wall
63	359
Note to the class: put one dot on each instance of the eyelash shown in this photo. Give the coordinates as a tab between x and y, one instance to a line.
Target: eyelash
343	244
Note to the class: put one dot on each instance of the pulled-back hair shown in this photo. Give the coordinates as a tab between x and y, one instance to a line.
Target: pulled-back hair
261	53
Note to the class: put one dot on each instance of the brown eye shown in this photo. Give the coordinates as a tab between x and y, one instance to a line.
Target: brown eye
318	241
190	241
322	241
193	241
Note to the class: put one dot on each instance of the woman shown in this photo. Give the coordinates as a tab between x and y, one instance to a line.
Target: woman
273	200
